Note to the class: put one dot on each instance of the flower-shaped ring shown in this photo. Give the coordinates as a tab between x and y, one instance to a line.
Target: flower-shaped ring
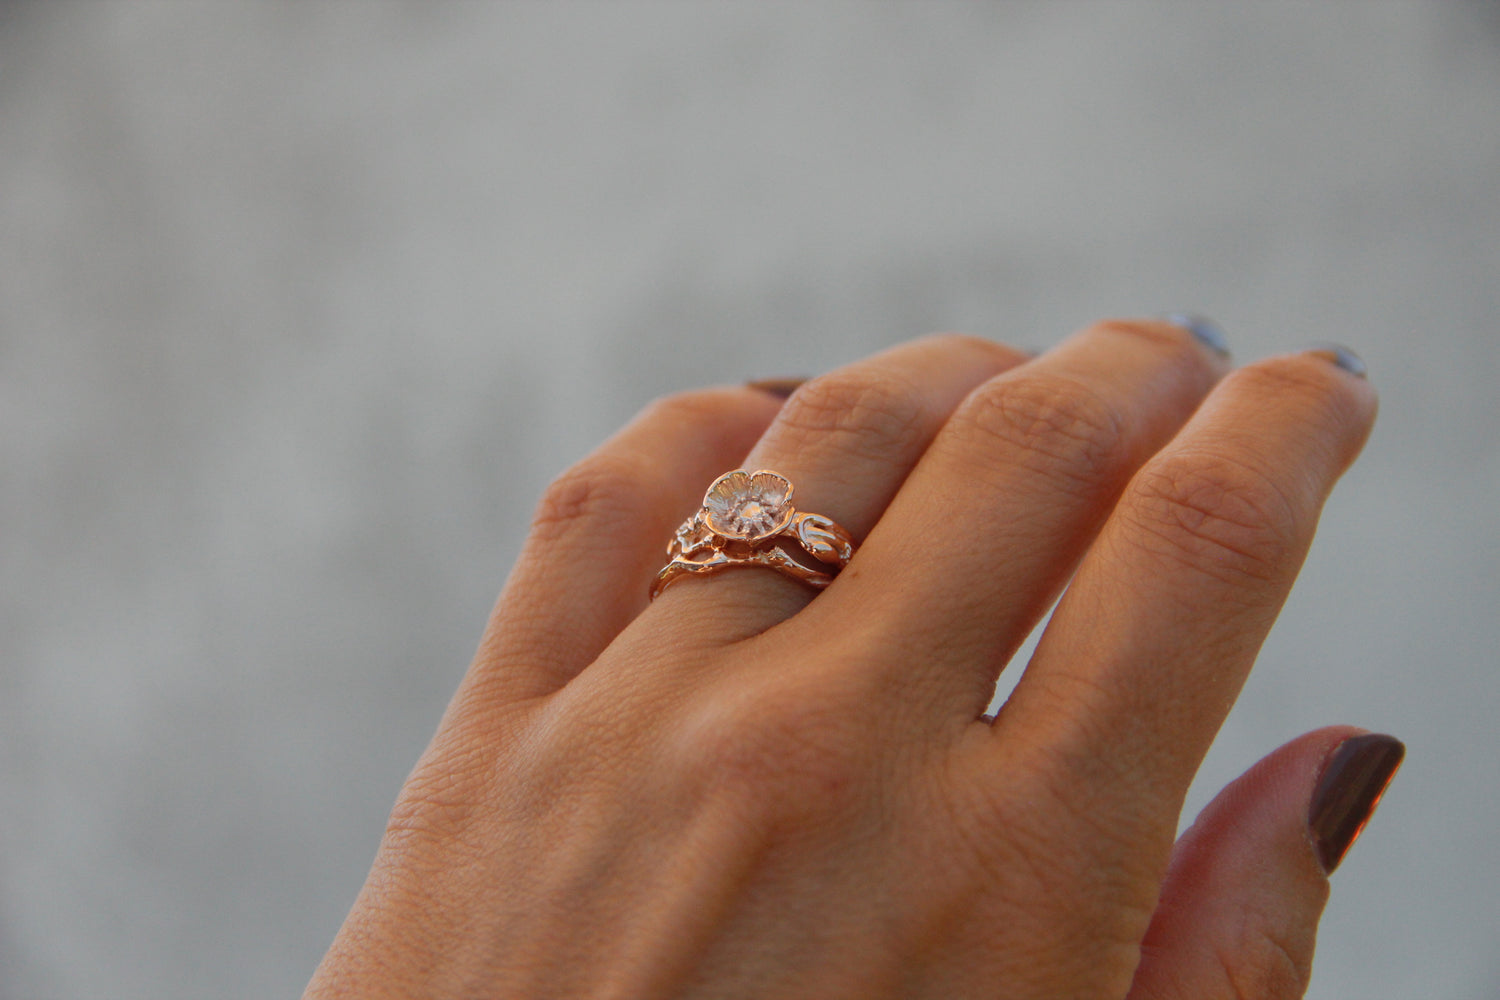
747	519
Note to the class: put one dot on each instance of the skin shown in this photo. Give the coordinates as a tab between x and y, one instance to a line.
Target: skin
740	791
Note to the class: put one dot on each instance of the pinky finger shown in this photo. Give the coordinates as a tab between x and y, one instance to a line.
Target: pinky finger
1239	911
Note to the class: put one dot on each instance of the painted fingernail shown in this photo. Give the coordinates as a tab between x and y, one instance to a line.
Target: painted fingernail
1208	332
1343	357
1348	791
781	388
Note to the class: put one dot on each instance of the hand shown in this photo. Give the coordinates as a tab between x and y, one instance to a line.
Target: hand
747	790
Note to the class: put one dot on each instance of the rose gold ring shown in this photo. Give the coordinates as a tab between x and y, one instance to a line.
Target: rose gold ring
747	519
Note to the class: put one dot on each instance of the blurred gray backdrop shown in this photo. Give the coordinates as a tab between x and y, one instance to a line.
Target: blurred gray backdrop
301	305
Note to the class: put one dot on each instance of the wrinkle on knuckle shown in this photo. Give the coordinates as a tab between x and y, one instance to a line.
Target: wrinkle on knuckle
598	493
1261	962
1049	422
868	413
1214	515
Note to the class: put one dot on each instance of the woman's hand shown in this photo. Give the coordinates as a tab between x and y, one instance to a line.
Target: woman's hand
744	790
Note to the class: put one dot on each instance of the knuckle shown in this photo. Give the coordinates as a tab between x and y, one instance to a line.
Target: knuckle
1050	422
598	493
785	752
868	412
1264	962
1214	514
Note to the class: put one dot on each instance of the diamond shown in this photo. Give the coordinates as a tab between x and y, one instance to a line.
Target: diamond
692	538
748	506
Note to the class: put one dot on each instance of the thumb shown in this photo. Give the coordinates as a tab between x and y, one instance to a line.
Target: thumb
1238	915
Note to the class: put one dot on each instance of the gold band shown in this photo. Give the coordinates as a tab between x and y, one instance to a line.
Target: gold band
747	519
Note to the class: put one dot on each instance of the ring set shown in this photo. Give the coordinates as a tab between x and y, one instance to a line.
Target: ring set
747	519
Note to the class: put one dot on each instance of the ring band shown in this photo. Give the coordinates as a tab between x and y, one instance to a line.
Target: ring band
747	519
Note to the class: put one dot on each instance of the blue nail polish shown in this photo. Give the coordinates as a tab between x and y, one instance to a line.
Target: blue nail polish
1344	358
1206	330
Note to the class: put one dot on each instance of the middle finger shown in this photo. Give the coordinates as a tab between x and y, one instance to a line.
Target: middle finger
990	524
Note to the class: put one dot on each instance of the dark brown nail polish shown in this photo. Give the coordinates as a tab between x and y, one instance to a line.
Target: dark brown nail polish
1349	789
1343	358
781	388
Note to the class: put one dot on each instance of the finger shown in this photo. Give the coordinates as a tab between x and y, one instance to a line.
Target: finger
1147	650
1238	914
846	441
990	524
600	533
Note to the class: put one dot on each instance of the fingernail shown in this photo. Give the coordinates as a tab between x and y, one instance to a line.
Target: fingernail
781	388
1348	791
1209	334
1343	357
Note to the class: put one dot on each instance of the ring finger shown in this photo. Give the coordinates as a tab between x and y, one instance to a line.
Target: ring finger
846	440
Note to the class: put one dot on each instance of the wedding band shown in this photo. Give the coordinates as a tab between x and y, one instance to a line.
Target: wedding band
747	519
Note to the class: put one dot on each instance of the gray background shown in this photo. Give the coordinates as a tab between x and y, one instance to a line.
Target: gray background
302	305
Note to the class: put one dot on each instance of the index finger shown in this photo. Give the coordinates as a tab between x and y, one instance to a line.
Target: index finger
1148	649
